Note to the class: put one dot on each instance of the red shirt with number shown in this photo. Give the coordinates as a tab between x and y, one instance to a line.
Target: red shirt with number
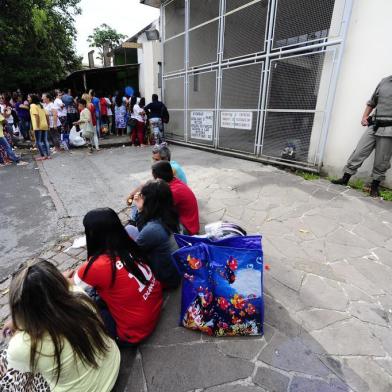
135	307
186	204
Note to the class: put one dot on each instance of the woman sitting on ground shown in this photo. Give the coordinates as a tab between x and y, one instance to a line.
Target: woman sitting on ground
86	125
156	221
183	197
57	336
125	289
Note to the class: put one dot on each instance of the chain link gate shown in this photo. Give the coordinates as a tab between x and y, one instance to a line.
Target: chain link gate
253	77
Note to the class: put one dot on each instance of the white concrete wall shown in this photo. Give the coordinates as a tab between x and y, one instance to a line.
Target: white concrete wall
148	57
366	60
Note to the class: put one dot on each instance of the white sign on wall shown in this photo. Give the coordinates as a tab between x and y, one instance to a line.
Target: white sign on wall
237	120
202	125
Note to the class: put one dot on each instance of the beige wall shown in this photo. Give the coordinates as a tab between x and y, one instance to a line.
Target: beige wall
148	57
367	58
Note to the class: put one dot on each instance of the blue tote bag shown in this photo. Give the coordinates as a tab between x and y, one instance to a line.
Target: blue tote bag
222	290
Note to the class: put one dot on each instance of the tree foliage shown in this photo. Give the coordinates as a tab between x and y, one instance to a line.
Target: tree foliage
37	42
102	35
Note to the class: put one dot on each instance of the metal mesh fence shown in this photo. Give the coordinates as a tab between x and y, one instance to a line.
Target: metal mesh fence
201	11
242	140
202	90
287	135
233	4
282	116
174	52
241	87
201	103
175	128
294	82
240	94
203	44
245	30
174	18
174	93
302	21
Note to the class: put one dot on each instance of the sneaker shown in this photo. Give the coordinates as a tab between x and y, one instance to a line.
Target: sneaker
22	163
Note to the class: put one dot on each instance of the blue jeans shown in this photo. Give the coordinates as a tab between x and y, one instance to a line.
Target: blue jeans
98	126
11	155
41	138
24	126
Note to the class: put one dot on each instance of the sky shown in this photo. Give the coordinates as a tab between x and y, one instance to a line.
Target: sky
126	16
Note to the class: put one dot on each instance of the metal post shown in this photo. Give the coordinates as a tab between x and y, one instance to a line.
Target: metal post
334	82
163	34
266	74
186	77
218	99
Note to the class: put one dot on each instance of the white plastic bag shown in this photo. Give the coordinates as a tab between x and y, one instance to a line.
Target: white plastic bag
75	138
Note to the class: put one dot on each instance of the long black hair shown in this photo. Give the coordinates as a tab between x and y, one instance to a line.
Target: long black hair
119	100
132	103
42	303
35	100
158	204
105	234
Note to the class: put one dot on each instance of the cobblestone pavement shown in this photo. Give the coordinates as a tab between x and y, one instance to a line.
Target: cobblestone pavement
328	292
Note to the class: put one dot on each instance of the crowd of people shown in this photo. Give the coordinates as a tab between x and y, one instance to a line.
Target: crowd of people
46	120
66	328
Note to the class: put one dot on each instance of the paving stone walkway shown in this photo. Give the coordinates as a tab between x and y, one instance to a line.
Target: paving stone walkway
328	292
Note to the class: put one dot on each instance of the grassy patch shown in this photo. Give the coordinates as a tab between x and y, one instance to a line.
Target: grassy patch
357	184
386	194
307	176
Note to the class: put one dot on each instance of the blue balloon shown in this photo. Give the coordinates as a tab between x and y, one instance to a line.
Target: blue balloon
129	91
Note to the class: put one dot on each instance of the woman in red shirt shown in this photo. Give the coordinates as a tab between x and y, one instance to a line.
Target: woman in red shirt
129	296
184	199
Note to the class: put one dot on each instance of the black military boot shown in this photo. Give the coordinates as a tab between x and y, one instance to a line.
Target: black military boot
374	191
342	181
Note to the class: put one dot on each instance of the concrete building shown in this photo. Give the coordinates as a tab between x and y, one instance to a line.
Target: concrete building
149	57
143	49
276	80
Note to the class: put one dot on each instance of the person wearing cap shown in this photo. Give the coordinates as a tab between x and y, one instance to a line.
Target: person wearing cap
377	117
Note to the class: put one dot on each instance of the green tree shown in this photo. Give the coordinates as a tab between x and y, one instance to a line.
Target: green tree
104	35
37	43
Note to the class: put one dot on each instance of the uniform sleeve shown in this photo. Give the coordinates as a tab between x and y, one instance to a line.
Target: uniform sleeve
374	98
98	276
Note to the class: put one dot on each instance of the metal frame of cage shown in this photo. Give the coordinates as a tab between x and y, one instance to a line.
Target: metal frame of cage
267	57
